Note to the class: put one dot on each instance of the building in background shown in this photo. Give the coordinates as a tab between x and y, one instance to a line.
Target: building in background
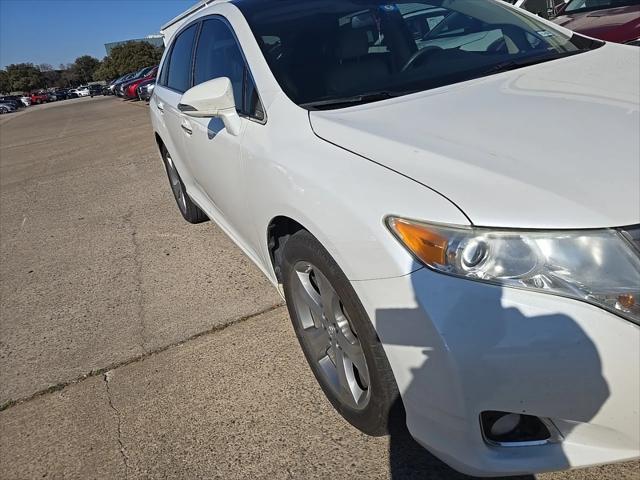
155	40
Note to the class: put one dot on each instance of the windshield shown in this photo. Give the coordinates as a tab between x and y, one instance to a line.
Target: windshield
591	5
321	51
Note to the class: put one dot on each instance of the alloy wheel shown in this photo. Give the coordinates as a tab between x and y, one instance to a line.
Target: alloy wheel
176	184
328	334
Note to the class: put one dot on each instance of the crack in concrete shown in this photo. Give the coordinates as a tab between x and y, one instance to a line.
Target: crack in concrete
140	310
138	358
123	451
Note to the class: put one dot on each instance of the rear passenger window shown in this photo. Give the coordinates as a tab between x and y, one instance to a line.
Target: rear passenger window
179	74
218	55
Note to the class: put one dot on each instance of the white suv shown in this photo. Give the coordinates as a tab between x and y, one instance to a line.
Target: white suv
446	193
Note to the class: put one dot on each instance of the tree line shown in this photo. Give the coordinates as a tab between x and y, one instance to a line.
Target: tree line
125	58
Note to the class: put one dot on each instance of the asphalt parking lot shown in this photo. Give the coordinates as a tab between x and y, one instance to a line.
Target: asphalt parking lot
134	345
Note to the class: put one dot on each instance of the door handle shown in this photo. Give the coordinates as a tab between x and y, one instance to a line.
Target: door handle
186	126
160	106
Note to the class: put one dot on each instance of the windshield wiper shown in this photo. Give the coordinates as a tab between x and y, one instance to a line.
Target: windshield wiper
526	61
350	101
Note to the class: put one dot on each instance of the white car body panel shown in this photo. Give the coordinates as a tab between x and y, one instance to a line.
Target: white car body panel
509	337
551	180
386	258
456	347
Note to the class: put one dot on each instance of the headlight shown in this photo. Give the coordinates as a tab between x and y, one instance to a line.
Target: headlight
596	266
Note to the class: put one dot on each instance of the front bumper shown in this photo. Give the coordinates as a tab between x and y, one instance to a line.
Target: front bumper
459	347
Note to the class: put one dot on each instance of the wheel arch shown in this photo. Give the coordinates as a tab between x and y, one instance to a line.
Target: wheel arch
279	229
159	142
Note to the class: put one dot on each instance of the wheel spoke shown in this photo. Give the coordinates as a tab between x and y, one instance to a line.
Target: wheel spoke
343	382
318	342
176	185
311	298
353	351
330	300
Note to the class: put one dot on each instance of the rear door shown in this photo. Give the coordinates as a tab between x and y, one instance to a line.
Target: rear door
175	79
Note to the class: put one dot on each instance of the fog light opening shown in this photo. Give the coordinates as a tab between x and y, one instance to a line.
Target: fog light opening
506	429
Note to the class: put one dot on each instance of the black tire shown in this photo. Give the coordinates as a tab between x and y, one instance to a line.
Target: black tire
189	210
383	409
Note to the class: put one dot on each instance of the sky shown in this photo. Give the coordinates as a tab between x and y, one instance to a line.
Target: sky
59	31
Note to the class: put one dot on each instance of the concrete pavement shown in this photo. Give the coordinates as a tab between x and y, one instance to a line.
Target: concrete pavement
134	345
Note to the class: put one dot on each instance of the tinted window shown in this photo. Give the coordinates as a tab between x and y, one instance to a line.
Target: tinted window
162	79
179	76
539	7
253	106
218	55
323	53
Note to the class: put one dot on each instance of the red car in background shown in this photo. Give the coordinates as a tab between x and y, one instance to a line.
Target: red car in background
39	97
610	20
130	89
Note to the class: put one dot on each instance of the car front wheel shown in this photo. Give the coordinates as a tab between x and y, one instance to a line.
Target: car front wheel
337	337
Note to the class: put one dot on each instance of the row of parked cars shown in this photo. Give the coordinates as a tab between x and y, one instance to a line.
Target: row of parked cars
136	85
11	103
610	20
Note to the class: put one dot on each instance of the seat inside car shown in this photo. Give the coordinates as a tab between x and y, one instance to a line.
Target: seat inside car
356	67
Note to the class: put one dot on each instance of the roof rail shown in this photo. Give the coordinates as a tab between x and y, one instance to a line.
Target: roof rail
166	28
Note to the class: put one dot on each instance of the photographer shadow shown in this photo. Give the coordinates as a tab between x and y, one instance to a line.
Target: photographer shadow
471	353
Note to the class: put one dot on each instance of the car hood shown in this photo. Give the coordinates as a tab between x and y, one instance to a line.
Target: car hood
621	24
554	145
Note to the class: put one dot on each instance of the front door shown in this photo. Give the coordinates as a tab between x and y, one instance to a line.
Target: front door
216	154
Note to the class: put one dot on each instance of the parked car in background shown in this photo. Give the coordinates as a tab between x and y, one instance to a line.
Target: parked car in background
120	81
52	97
7	107
95	89
442	266
543	8
139	74
114	83
39	97
611	20
145	89
61	94
13	100
83	91
72	93
26	100
129	89
110	86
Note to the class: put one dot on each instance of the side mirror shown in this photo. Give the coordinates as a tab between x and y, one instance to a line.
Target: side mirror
213	98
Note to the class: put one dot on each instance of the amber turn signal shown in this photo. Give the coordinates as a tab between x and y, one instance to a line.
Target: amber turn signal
427	245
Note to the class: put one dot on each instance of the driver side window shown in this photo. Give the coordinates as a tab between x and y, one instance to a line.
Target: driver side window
218	55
